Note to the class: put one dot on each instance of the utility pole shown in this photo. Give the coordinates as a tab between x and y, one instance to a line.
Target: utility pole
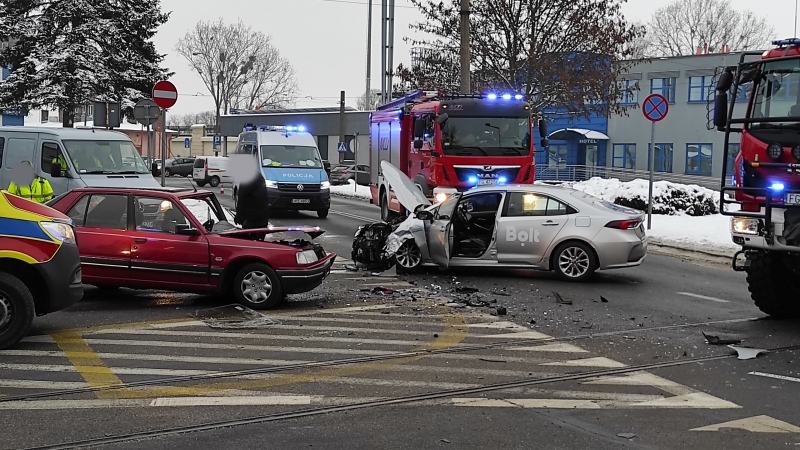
465	59
341	126
384	11
369	55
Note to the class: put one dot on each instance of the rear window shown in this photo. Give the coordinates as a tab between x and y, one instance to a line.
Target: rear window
199	163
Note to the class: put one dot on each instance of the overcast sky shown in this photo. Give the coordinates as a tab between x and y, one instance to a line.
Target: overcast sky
326	40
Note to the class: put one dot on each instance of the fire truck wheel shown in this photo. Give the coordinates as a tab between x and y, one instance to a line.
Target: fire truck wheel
386	213
770	284
16	310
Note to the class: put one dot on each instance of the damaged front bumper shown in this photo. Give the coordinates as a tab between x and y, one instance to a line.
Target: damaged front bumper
298	281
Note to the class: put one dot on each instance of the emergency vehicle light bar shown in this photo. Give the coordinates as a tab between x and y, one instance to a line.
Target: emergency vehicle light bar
287	128
790	41
416	96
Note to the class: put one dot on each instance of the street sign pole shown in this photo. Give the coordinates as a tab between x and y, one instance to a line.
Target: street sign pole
163	147
652	166
654	108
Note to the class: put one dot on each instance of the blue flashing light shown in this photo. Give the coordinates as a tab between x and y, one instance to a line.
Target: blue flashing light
783	42
506	96
472	180
492	96
290	128
777	186
518	96
502	180
301	129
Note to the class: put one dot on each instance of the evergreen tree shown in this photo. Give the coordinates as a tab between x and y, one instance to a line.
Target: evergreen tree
69	53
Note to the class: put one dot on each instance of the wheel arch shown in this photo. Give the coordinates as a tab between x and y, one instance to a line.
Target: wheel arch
557	244
233	267
32	278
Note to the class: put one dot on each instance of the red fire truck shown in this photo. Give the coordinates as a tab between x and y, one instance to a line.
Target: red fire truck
451	143
766	183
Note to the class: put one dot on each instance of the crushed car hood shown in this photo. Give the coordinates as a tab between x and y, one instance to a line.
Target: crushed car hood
407	193
314	232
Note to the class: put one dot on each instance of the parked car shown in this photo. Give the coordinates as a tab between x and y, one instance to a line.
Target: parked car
211	170
349	170
183	240
40	270
540	227
179	166
148	161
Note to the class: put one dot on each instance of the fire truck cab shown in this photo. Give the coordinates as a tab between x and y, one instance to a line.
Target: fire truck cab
452	143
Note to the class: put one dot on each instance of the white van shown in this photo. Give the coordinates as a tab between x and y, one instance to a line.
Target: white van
93	158
211	170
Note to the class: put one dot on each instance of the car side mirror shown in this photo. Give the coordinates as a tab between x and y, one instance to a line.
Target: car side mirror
424	215
55	170
154	169
545	142
442	118
186	230
419	128
721	111
417	144
542	128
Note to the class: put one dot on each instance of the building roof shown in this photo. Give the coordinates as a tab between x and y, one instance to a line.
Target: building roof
238	112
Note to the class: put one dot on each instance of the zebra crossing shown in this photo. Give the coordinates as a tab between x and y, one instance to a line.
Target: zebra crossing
138	365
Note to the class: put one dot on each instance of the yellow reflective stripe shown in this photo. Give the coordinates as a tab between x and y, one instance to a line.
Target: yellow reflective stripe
17	255
12	212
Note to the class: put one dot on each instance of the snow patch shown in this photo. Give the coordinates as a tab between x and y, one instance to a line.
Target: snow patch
351	190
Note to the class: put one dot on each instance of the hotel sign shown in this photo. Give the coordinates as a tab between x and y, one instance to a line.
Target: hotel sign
588	141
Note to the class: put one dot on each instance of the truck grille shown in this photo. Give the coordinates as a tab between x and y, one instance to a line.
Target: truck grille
463	174
292	187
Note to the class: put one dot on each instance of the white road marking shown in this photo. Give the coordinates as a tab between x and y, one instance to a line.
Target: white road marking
32	384
73	404
588	362
704	297
500	325
777	377
555	348
163	358
521	335
116	370
233	401
643	379
589	395
693	400
755	424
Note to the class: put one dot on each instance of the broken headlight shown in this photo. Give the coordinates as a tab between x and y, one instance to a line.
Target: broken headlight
745	225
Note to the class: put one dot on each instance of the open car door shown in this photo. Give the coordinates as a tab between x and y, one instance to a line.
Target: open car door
439	232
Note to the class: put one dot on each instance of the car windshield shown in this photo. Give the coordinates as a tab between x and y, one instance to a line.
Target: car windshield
204	209
96	157
342	168
302	157
777	93
486	136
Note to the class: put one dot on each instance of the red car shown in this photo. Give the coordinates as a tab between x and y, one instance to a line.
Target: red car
184	240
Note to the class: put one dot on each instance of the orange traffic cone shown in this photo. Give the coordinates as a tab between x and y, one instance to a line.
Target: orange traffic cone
222	189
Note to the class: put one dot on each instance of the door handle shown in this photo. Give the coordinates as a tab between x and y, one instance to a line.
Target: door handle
140	240
549	223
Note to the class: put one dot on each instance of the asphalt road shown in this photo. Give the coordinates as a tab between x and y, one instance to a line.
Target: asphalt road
342	367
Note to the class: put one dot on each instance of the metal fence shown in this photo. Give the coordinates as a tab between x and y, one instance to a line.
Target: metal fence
582	173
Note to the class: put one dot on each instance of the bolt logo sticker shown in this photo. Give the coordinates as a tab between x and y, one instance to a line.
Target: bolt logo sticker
523	236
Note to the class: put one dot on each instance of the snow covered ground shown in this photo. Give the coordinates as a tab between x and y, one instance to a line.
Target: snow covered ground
709	234
350	190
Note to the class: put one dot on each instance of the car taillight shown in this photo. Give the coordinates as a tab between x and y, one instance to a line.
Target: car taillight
205	167
345	172
624	224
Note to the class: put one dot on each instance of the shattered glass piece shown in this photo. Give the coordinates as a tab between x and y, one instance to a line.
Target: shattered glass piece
627	435
233	317
715	340
747	352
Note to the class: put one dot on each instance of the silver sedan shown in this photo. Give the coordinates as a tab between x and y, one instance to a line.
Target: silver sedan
539	227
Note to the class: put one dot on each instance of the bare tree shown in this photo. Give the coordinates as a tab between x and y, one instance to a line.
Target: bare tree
187	120
558	53
684	25
372	104
239	66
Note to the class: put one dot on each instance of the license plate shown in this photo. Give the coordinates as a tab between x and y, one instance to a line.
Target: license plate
301	200
486	182
793	199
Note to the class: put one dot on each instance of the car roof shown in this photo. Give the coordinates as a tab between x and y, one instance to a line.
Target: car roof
518	187
176	191
72	133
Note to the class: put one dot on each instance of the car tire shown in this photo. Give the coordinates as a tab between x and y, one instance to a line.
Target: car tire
770	285
256	279
17	310
323	213
214	181
200	183
408	258
386	213
574	261
167	173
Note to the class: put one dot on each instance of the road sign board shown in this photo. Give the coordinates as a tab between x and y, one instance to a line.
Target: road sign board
146	112
187	143
165	94
217	140
655	107
342	147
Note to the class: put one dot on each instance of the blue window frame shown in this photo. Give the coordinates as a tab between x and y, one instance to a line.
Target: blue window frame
744	92
624	156
698	159
630	92
665	87
663	155
701	89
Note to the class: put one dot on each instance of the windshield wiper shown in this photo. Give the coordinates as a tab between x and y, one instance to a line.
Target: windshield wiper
466	148
98	172
775	126
518	151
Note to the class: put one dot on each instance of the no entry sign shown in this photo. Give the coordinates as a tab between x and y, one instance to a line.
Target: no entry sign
655	107
165	94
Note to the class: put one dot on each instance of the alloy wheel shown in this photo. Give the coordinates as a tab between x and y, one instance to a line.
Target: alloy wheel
6	311
574	262
408	255
256	287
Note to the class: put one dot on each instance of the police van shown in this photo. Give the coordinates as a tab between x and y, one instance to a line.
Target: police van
292	167
71	158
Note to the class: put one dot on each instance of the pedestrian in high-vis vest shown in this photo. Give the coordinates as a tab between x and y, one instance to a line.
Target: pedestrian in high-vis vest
28	185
